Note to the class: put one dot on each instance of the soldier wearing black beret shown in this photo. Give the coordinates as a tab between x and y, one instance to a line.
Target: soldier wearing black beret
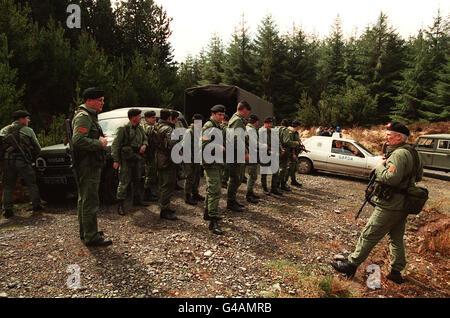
93	93
150	164
20	114
149	114
398	127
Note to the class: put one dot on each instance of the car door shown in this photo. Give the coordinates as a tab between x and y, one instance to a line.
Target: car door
345	161
441	156
425	147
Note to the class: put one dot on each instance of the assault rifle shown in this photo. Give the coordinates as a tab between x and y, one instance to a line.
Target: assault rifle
14	145
369	194
69	134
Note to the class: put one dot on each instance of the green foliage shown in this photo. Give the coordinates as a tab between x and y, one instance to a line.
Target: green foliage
9	93
55	133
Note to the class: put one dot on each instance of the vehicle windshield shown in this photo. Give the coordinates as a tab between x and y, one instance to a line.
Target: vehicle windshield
110	125
365	149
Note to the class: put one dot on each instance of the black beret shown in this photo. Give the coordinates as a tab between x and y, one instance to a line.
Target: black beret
244	103
225	117
174	114
268	120
285	122
20	114
398	127
296	123
253	118
134	112
150	113
93	93
218	109
197	117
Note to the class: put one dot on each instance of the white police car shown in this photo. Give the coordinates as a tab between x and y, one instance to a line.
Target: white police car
337	155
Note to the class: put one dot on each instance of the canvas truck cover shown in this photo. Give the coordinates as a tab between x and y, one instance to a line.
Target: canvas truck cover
201	99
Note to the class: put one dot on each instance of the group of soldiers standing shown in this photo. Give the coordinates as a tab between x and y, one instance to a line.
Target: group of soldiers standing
137	148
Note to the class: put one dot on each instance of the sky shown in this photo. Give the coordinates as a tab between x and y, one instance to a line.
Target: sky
195	21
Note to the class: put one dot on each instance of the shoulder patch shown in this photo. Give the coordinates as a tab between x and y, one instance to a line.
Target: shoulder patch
391	169
82	130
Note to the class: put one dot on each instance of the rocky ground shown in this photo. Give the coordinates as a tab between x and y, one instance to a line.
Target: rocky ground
279	248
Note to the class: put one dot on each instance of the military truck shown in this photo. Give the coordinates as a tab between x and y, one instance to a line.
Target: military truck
54	174
200	100
434	151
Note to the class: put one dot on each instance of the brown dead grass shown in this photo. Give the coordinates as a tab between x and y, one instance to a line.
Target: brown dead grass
373	137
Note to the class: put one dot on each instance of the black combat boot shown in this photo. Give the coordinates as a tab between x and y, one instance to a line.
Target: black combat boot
275	191
296	184
9	214
120	207
250	198
345	267
168	215
266	191
284	187
189	200
102	242
198	197
233	206
244	179
257	197
396	277
214	226
148	196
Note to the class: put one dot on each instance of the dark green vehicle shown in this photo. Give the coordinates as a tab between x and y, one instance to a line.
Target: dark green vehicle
53	166
434	151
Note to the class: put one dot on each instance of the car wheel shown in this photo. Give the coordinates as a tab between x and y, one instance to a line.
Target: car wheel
53	194
305	166
108	185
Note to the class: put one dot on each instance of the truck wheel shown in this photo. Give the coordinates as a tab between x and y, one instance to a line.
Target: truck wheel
108	185
52	194
305	166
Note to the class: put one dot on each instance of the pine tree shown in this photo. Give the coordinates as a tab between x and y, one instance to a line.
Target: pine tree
10	94
334	72
213	62
239	66
93	67
380	65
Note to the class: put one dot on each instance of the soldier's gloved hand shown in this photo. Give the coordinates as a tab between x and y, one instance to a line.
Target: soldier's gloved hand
104	141
142	150
116	165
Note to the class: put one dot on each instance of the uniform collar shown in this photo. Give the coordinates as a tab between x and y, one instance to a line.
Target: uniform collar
215	123
390	149
89	110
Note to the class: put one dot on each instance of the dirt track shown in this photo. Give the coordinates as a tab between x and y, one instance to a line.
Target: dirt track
279	248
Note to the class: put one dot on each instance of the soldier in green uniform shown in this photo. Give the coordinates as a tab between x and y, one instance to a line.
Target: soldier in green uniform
167	170
127	151
286	144
252	167
235	168
266	130
151	177
15	163
193	169
292	169
89	146
226	171
398	170
213	170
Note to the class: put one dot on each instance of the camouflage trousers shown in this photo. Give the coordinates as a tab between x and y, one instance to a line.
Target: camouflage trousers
88	181
252	176
151	177
236	176
12	169
283	171
192	181
166	183
213	190
292	169
130	172
273	182
382	222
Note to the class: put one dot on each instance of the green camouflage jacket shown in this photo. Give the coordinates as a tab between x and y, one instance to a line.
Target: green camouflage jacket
397	173
164	144
27	139
207	139
128	136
